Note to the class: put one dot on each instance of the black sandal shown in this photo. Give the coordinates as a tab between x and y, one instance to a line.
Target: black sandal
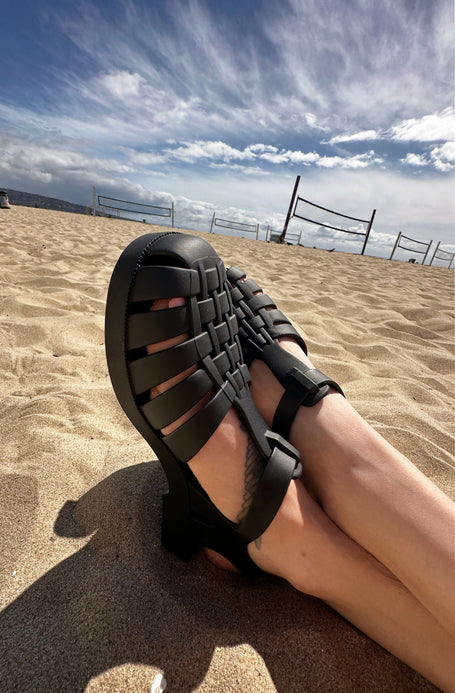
166	265
260	326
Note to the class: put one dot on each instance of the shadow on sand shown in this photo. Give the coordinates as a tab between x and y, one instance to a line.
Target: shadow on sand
122	598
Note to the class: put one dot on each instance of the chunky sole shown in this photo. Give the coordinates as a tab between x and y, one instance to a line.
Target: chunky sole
176	526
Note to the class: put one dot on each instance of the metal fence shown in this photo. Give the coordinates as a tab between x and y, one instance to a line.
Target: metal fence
411	250
234	225
292	212
446	256
135	208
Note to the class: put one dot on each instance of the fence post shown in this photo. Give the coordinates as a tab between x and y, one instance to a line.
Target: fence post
428	250
291	205
172	206
437	246
300	236
94	201
257	231
213	221
267	232
396	243
368	232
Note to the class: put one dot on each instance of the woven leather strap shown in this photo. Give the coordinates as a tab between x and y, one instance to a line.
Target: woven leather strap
260	321
167	364
260	326
211	350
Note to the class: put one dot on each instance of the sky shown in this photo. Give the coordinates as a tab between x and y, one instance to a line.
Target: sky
218	105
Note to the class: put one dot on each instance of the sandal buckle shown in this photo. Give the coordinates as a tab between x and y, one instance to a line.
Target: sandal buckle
309	386
277	441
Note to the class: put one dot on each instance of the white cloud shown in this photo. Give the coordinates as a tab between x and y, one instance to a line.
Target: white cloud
313	122
159	76
145	158
352	162
429	128
415	160
307	158
220	154
31	161
356	137
186	71
261	148
165	90
405	67
41	161
290	156
246	170
444	157
192	151
122	84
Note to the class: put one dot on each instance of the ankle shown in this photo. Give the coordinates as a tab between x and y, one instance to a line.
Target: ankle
291	345
228	455
265	388
312	548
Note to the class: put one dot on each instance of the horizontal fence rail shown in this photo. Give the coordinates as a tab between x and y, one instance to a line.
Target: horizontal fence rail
135	207
446	256
329	226
138	208
234	225
411	250
291	237
273	234
292	212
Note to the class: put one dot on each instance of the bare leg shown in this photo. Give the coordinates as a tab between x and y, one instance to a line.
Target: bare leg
306	548
326	563
372	492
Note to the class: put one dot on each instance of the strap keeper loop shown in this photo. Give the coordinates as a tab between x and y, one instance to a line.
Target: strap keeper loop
277	441
310	387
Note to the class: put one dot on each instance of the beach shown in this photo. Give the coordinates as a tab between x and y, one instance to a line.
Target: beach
90	601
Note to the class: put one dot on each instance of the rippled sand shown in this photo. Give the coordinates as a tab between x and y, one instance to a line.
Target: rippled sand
90	599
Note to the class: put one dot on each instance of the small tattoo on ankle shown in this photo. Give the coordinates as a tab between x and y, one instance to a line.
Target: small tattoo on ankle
252	476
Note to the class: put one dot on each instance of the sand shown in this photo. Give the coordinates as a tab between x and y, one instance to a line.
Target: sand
90	601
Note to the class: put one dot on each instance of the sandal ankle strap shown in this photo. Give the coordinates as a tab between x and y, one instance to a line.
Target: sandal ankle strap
303	389
261	324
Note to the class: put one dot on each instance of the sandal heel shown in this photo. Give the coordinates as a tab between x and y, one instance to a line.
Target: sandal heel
176	529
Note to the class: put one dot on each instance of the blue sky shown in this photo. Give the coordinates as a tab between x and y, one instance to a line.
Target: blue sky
219	105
